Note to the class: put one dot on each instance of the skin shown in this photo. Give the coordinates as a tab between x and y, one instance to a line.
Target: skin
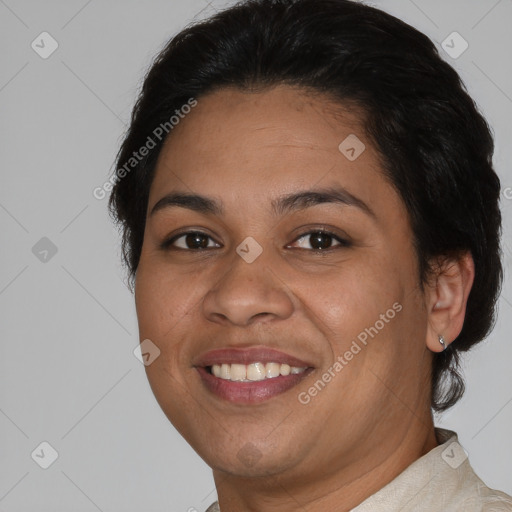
373	419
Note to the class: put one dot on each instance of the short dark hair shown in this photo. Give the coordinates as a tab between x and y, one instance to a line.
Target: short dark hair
435	147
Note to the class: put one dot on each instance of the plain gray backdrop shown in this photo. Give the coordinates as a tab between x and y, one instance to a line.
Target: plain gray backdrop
69	377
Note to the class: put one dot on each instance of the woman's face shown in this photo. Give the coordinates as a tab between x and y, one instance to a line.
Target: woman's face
258	276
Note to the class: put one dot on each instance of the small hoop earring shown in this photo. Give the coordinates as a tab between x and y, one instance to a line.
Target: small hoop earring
443	342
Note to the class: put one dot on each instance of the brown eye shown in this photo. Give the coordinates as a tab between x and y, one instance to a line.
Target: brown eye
193	240
320	241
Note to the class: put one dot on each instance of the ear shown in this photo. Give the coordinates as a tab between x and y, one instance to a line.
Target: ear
446	299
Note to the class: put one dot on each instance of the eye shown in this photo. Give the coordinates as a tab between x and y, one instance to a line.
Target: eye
191	240
320	240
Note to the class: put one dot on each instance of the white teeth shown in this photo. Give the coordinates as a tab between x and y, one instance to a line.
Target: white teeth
285	369
238	372
225	371
254	371
272	370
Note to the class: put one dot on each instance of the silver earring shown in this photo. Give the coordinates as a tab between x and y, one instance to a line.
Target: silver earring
442	341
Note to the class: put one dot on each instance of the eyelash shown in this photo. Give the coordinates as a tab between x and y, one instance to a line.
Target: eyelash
343	243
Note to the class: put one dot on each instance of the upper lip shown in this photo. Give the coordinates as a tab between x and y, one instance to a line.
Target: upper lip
248	356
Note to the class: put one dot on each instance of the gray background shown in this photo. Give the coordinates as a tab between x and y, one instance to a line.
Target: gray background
68	326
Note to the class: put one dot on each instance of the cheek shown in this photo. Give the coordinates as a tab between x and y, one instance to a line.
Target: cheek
171	393
354	295
162	297
161	306
167	303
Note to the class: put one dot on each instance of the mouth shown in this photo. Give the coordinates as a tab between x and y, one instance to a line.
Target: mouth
250	376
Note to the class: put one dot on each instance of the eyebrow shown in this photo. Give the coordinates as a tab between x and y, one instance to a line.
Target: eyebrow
283	204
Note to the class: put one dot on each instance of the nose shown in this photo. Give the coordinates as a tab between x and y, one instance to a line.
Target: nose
247	293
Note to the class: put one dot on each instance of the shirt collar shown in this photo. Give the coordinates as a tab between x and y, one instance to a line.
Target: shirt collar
426	482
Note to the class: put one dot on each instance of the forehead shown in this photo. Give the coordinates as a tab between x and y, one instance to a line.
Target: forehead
258	145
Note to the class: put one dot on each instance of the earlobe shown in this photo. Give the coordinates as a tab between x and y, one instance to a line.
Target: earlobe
440	346
447	297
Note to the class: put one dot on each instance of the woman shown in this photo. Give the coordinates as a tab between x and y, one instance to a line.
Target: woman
310	220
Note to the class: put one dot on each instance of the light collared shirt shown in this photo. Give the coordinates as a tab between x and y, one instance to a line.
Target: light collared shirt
442	480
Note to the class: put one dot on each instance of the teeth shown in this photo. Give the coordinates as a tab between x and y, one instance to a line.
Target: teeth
225	371
285	369
238	372
254	371
272	370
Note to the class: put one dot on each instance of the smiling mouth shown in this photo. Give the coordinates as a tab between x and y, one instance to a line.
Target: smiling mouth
249	375
253	372
239	389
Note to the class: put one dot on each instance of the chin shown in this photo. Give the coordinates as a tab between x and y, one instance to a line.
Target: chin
249	460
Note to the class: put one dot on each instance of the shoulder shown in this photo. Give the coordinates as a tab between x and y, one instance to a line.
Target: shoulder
480	498
498	506
214	507
496	503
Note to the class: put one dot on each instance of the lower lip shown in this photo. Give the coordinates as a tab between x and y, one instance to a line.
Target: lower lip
250	392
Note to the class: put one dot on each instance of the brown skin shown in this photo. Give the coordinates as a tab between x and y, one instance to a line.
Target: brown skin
373	419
